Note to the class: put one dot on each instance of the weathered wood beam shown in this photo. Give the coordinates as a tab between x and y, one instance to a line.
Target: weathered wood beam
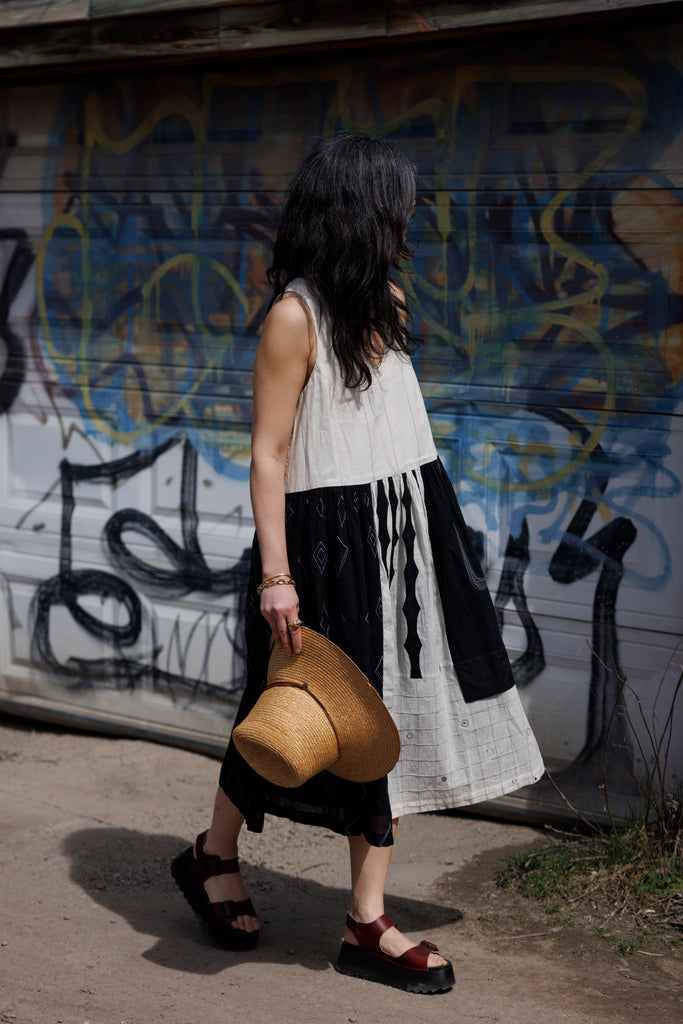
42	12
120	8
111	40
253	25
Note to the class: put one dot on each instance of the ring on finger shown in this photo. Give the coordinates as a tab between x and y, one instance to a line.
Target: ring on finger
297	624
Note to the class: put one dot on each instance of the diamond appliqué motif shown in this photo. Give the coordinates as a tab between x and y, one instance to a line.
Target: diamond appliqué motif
342	555
320	557
341	510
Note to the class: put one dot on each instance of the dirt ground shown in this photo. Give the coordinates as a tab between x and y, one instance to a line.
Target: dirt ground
92	930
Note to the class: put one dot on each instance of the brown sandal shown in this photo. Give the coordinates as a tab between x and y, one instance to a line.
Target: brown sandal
190	870
409	971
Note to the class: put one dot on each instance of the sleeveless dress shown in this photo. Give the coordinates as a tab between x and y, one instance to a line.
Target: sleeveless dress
385	567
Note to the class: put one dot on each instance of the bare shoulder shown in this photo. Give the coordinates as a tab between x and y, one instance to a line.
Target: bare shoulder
287	339
290	313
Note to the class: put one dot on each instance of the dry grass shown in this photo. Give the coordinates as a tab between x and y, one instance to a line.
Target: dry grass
629	875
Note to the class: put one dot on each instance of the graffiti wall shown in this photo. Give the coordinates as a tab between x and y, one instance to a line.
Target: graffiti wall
547	284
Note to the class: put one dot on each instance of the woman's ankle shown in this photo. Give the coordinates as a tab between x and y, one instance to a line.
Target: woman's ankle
222	836
226	850
365	913
217	845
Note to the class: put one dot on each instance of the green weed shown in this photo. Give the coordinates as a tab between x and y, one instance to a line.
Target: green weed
626	871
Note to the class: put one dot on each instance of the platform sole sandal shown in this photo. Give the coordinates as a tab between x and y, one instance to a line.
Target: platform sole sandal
409	972
190	872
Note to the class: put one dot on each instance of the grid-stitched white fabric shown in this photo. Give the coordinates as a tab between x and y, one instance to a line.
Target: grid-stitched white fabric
452	753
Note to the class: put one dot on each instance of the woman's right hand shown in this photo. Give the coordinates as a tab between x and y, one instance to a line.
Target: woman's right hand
280	606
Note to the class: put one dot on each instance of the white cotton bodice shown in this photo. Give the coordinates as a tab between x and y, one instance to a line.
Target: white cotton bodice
346	435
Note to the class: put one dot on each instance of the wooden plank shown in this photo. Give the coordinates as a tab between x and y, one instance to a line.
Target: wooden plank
121	8
408	18
142	39
300	24
327	22
248	25
41	12
401	16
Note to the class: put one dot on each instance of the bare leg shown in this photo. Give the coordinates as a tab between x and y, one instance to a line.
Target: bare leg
221	840
369	870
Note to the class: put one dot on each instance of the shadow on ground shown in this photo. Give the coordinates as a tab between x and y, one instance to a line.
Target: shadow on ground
127	872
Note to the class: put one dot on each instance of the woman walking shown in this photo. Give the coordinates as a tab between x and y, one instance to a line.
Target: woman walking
359	535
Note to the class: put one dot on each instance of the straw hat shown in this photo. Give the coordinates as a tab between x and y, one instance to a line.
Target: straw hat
317	712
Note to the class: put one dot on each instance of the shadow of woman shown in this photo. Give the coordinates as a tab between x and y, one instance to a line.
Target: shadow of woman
127	872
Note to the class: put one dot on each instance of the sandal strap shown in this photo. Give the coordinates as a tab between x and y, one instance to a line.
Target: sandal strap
206	865
368	936
228	910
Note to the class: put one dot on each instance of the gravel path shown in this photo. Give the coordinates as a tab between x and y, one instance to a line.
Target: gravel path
92	930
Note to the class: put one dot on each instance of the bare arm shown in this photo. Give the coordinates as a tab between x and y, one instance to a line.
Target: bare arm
284	358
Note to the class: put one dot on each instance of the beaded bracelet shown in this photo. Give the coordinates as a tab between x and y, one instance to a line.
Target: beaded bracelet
273	581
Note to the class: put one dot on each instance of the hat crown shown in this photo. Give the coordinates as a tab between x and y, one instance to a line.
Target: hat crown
317	711
288	737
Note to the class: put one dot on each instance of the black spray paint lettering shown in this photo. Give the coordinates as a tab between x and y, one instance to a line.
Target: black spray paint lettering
12	353
191	572
575	557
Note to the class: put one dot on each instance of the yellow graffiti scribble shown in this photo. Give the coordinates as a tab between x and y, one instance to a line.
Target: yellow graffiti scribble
444	111
546	314
590	444
96	136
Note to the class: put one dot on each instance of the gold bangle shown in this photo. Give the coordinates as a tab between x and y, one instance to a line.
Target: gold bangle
273	581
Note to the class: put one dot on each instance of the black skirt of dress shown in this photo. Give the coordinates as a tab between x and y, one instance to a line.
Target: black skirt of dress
336	559
333	558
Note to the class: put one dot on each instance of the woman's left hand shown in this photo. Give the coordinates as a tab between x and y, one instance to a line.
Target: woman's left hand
280	609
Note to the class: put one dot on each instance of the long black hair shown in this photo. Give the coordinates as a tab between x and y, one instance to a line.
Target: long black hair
343	229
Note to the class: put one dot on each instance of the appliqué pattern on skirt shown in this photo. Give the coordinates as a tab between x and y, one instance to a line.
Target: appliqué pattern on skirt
388	572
